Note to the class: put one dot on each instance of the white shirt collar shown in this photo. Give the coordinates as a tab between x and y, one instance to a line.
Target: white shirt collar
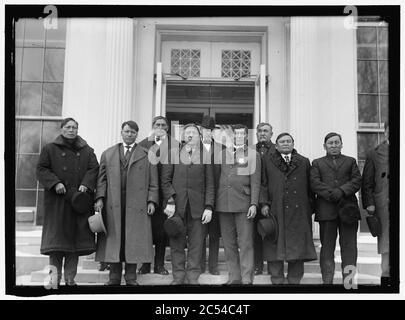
287	155
131	146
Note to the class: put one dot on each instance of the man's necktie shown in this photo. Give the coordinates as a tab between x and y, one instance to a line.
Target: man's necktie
287	159
127	153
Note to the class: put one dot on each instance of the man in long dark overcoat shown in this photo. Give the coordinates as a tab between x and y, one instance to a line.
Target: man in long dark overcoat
66	163
189	186
336	178
127	189
264	132
375	198
286	194
158	144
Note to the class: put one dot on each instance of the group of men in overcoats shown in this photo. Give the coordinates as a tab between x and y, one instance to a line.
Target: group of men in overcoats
162	191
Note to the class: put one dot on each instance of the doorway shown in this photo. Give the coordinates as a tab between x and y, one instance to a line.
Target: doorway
227	103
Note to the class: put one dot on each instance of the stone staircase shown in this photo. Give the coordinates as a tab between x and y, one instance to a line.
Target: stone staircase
31	266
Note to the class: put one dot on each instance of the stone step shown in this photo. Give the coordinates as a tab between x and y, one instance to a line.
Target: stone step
89	277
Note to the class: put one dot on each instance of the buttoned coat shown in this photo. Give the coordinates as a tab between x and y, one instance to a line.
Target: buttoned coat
239	182
189	180
325	176
375	190
286	189
141	188
63	228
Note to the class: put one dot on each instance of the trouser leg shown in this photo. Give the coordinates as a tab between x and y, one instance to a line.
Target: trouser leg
385	264
348	248
244	229
70	267
276	269
56	260
115	272
214	234
257	246
295	271
328	234
130	271
178	256
229	236
195	238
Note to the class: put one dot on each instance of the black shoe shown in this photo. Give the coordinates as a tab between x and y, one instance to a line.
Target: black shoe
144	269
385	282
104	266
258	271
161	270
112	283
214	272
131	283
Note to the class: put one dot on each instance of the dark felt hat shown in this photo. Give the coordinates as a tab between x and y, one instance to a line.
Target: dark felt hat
81	201
374	225
208	122
268	228
96	223
174	226
349	212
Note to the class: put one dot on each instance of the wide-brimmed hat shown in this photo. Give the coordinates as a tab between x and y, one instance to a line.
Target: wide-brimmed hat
349	212
268	228
174	226
374	225
96	223
208	122
81	201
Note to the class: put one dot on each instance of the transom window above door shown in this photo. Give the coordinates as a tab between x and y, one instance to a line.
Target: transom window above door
204	59
186	62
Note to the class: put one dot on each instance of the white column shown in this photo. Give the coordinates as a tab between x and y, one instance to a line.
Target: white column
98	78
323	84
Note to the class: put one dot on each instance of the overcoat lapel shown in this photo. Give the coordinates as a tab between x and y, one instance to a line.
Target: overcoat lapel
138	153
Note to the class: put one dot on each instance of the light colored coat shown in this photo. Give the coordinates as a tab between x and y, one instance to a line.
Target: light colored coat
142	187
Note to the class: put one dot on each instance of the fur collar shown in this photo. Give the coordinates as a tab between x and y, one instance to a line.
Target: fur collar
78	144
279	162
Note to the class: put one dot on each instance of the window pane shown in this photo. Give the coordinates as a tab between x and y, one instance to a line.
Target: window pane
368	108
382	43
33	64
29	136
30	104
235	63
185	62
56	38
54	65
52	99
34	33
367	76
383	70
25	198
366	43
18	63
26	178
17	97
384	108
50	131
19	33
365	143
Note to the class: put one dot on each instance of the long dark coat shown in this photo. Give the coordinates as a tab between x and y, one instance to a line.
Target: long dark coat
325	176
375	190
63	228
286	190
142	187
162	154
